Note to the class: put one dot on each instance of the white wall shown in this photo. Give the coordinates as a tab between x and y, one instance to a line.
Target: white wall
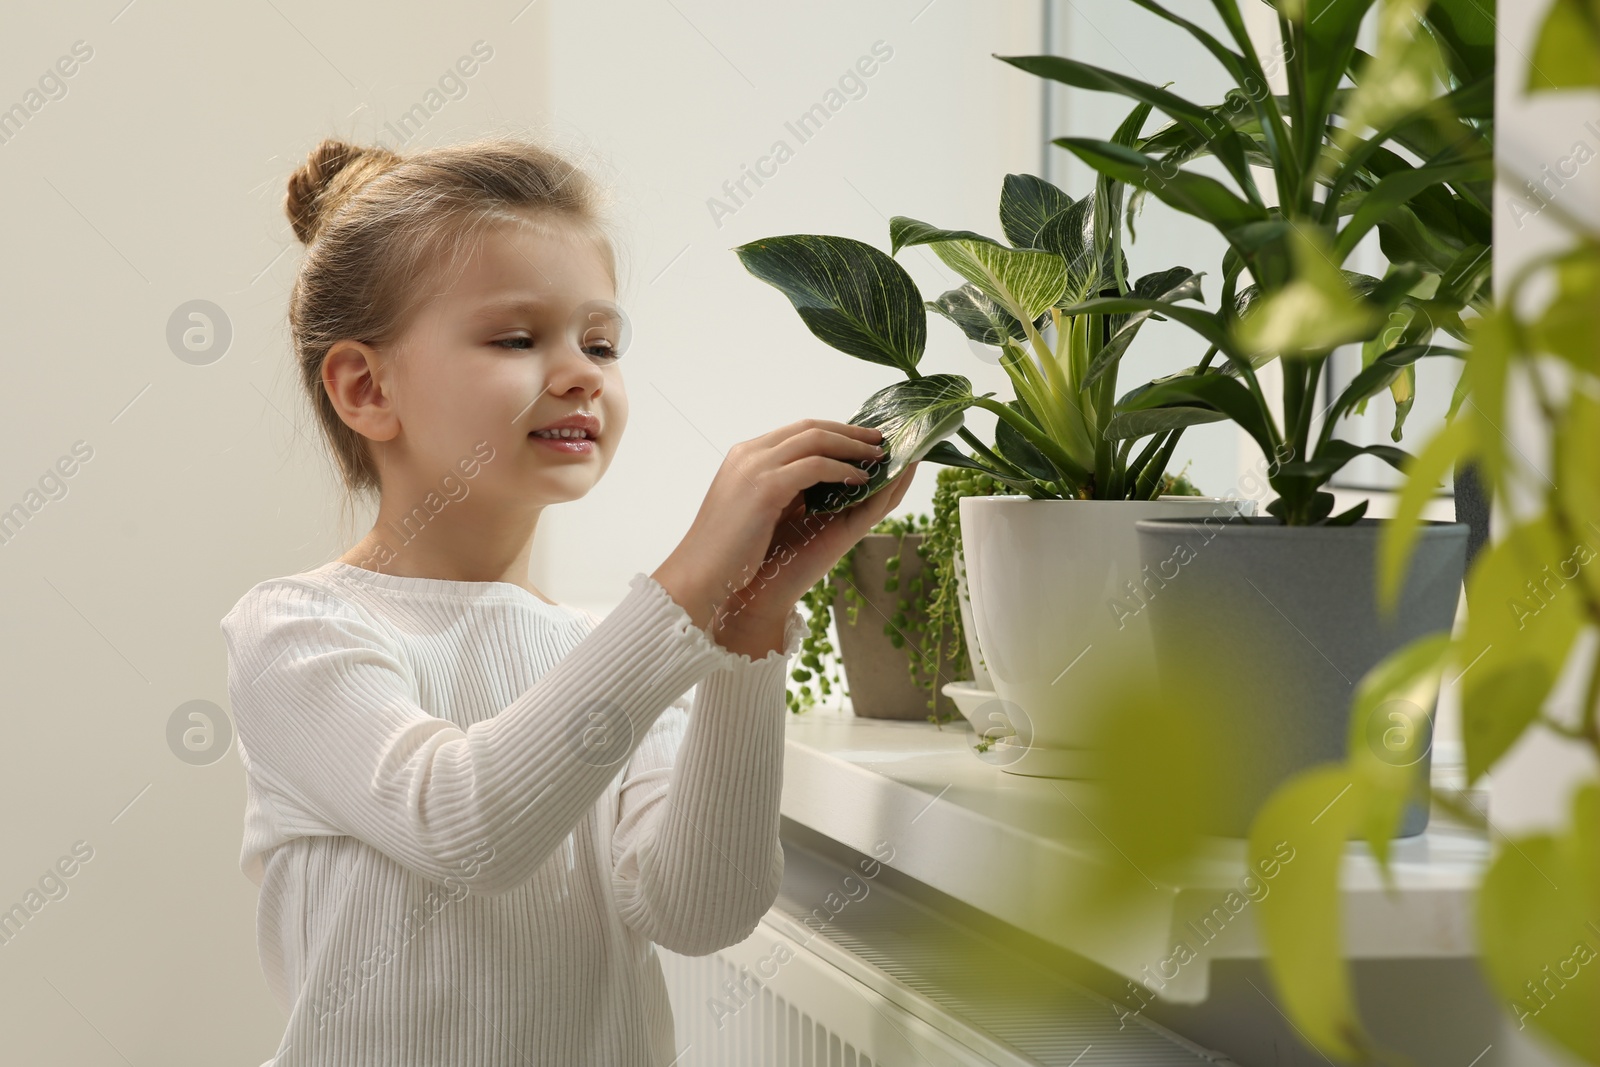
691	95
158	179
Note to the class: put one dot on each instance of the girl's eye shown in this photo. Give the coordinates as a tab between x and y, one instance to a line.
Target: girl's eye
600	348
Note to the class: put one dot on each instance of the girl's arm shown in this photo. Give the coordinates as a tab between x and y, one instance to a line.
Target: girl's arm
328	713
696	854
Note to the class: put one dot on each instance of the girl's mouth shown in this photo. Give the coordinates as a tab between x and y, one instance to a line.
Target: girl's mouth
575	446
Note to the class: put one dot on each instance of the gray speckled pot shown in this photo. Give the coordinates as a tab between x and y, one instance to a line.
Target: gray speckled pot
1283	621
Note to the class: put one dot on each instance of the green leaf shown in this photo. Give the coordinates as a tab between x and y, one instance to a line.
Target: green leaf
947	454
1467	276
1398	188
980	318
1245	69
1015	448
1381	372
1176	283
1521	624
1391	729
849	294
1024	283
1315	313
1570	324
1070	234
1218	392
1158	420
1466	32
1223	140
1403	388
1452	445
1308	819
1202	322
1026	203
1195	194
1538	929
1566	54
905	231
914	415
1328	40
1399	78
1349	516
1332	456
1577	488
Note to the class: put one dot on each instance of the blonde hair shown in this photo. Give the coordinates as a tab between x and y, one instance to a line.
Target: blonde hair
376	225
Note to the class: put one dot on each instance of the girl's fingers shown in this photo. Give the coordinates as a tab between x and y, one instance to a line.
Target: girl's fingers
827	443
868	434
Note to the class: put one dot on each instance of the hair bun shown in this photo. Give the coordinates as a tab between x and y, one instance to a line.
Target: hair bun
332	171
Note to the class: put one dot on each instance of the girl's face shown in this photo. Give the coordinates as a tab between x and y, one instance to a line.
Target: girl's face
527	335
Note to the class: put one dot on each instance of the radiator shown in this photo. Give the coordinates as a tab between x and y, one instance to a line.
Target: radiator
876	978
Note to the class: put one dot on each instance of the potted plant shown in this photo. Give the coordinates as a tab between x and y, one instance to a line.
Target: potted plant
926	639
890	656
1061	443
1279	611
1533	606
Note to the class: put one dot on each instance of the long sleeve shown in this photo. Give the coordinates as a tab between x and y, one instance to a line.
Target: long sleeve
697	858
329	713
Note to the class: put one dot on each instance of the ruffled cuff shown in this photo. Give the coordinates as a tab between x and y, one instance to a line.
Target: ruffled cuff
794	629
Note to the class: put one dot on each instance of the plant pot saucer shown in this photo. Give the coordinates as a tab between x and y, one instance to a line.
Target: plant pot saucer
969	696
1036	761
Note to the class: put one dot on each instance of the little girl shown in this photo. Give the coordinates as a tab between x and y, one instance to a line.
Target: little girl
472	811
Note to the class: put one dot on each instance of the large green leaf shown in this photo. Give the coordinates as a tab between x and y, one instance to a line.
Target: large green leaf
1401	76
1316	312
1399	188
849	294
1566	54
1332	456
1538	925
1245	70
1014	447
1216	391
980	318
1070	235
1135	424
1404	238
914	415
1195	194
1223	140
1381	372
1390	730
905	231
1328	39
1022	281
1518	636
1570	325
1026	203
1308	820
1446	449
1466	30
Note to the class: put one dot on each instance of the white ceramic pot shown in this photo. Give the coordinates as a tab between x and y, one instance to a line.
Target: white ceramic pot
1054	588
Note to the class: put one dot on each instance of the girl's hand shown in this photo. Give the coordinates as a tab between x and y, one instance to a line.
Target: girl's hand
752	552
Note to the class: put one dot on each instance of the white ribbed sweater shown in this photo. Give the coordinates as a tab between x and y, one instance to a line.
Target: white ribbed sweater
471	812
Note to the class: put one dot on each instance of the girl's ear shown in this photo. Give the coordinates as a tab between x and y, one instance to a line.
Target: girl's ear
356	378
